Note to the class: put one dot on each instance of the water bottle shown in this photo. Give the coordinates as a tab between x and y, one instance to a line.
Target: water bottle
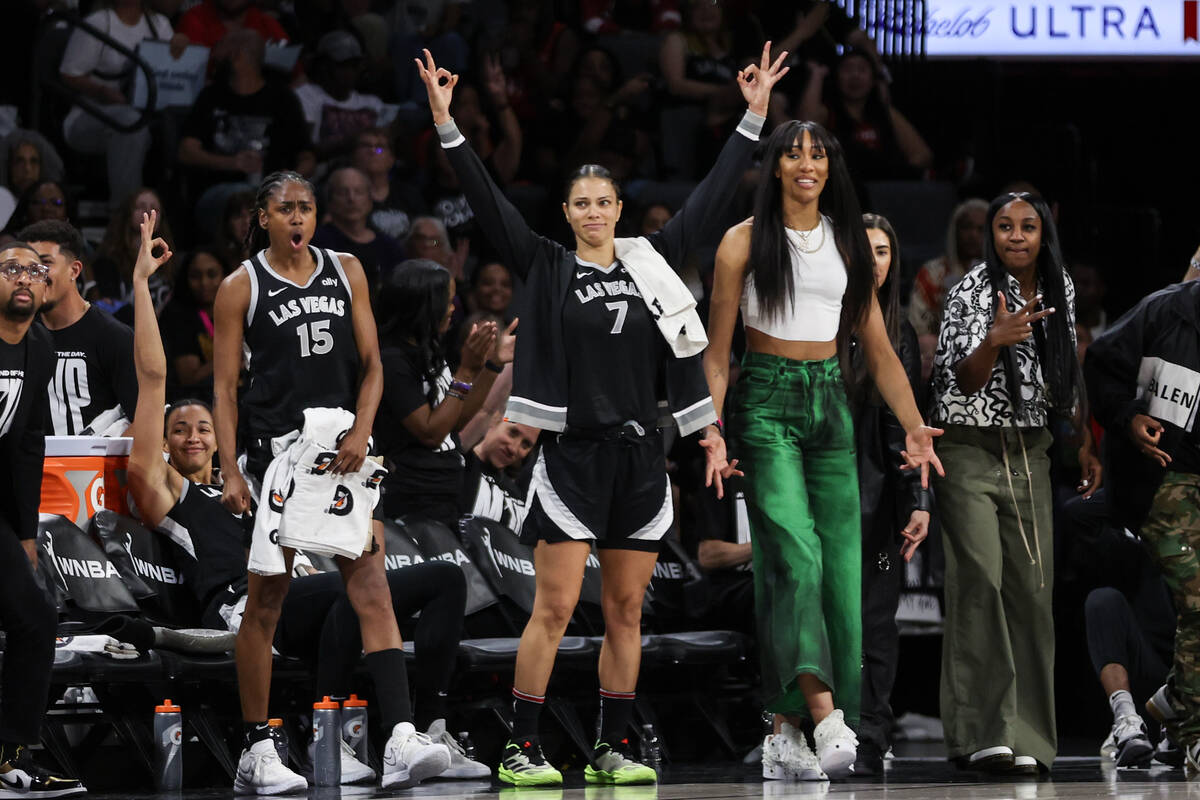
280	738
168	744
327	743
467	744
354	726
651	751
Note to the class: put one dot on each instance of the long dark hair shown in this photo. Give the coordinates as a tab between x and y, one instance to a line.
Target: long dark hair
412	300
770	253
1052	338
889	293
257	237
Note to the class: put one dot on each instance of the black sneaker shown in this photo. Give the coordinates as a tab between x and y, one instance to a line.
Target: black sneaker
20	777
869	760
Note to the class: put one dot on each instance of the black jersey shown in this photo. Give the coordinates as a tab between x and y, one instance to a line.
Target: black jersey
216	538
613	347
302	348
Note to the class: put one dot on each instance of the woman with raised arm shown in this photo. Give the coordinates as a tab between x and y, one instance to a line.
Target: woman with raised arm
606	325
802	272
304	315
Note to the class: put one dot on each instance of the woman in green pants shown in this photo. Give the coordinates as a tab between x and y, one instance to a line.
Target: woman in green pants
1005	362
803	274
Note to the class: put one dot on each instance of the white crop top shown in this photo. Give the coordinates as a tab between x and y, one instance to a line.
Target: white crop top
820	281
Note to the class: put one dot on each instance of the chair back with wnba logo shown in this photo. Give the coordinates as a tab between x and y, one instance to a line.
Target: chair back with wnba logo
151	565
86	579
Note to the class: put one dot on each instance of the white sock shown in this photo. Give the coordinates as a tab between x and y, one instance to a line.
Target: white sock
1122	703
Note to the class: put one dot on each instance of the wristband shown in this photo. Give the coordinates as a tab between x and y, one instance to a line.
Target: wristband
460	386
493	366
457	395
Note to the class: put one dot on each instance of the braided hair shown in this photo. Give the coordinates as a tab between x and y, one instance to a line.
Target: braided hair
257	237
1052	338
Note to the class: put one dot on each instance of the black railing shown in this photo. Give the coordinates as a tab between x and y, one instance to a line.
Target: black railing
53	34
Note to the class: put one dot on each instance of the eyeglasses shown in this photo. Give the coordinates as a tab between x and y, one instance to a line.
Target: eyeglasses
374	148
38	273
431	241
49	201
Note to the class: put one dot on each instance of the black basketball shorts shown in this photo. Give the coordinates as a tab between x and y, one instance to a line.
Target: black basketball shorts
614	491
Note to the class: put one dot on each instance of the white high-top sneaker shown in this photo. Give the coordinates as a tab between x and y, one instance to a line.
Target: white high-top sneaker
837	746
260	771
798	758
410	757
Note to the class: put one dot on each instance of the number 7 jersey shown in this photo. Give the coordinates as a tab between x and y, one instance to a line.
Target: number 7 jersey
301	346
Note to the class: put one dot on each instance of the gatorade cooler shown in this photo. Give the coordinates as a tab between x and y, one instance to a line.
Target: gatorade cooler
84	474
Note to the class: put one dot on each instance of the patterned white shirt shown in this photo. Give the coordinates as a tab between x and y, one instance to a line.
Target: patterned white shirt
965	325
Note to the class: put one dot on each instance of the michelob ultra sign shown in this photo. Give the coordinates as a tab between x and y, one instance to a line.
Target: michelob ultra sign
1042	28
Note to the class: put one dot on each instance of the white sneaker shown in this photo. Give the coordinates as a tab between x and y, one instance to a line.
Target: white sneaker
261	772
461	767
772	761
798	758
410	757
1159	705
1127	743
837	746
353	770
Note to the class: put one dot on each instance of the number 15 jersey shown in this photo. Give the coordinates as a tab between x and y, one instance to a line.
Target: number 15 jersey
301	346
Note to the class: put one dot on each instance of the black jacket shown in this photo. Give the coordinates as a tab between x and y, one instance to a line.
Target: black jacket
1148	362
539	393
887	494
23	448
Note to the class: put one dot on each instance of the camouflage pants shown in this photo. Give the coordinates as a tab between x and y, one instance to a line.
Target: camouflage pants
1172	533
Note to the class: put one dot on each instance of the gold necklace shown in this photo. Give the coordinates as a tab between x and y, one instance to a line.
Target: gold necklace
803	237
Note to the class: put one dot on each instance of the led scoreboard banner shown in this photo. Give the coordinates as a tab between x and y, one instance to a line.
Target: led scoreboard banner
1035	29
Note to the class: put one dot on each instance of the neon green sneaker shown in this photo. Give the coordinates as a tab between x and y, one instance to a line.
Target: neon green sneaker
611	765
524	765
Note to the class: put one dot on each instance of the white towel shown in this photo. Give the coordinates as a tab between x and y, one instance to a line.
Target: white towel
665	294
304	506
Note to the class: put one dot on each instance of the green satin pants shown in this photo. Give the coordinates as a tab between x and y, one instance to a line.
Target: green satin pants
794	435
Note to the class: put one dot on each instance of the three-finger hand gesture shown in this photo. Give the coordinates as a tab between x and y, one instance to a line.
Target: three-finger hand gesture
918	452
1011	327
439	93
1146	433
756	80
147	263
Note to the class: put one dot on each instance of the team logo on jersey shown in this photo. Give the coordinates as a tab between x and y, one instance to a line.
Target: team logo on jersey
323	463
376	478
343	502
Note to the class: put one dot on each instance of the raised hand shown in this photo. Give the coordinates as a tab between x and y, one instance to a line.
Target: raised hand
147	263
494	80
756	80
506	344
478	345
1010	328
918	452
440	94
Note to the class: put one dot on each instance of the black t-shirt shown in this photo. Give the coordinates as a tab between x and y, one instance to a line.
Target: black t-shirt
404	203
378	256
613	347
185	334
269	120
218	539
417	475
12	382
492	494
303	353
724	520
93	373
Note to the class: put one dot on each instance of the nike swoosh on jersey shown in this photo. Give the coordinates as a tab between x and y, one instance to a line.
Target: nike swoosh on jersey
582	274
274	292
